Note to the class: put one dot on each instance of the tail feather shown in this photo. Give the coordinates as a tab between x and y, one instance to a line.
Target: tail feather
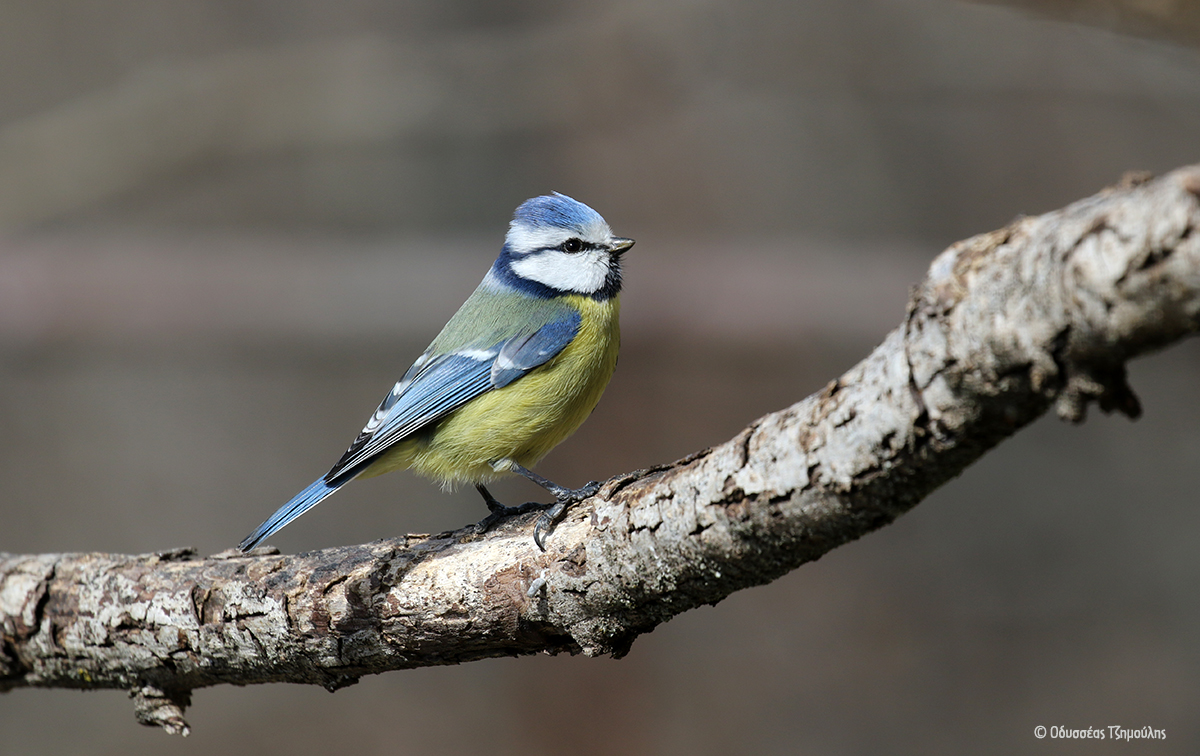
300	503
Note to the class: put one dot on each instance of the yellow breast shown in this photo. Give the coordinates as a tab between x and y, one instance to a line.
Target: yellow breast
527	418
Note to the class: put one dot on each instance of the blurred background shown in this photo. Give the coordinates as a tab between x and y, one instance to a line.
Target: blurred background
227	227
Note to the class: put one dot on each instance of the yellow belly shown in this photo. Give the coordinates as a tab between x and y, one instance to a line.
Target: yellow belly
524	420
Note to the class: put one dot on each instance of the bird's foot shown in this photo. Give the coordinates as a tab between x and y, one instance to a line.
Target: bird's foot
564	498
500	512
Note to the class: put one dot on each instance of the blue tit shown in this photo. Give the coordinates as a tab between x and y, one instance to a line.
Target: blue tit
516	371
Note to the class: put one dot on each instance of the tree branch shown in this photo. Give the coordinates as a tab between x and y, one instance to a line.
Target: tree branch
1005	325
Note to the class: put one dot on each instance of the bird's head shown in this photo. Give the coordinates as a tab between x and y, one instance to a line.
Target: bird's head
556	246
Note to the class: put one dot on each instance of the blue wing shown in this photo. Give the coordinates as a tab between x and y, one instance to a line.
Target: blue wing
436	386
431	389
520	355
441	385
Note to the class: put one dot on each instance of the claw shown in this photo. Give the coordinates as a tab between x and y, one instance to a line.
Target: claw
548	519
555	513
564	497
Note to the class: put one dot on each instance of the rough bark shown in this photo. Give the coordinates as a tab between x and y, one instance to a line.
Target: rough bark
1041	314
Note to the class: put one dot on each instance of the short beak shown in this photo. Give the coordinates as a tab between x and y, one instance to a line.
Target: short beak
619	245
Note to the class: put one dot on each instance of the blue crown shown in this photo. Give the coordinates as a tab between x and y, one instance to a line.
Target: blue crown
557	210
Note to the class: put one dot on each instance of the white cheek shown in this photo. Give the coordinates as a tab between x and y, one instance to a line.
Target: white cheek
584	272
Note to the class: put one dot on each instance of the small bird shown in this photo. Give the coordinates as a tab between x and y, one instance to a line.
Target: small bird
516	371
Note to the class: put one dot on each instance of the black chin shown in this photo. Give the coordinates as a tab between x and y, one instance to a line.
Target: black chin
612	281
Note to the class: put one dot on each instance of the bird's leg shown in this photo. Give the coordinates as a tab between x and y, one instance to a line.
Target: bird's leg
564	497
498	510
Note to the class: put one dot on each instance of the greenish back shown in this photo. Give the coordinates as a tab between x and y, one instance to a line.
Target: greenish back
496	313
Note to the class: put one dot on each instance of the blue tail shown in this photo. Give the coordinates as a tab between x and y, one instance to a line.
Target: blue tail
300	503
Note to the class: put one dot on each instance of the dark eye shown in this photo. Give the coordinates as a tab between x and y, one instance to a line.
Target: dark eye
572	245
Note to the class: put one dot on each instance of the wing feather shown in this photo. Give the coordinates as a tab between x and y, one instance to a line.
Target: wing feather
436	386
